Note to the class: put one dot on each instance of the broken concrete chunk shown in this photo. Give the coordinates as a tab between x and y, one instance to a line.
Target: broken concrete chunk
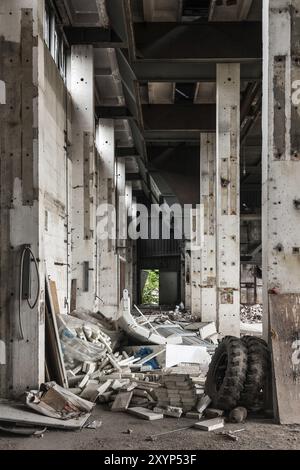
122	401
173	411
84	381
89	367
73	381
203	403
210	424
105	397
143	413
193	415
90	392
76	391
213	413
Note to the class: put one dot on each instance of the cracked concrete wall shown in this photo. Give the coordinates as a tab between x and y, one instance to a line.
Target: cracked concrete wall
33	188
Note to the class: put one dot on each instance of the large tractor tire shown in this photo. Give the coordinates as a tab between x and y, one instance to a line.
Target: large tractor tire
227	373
259	366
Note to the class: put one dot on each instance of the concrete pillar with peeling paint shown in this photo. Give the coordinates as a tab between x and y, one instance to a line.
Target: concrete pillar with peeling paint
108	302
129	242
22	346
83	175
227	199
208	252
281	150
195	261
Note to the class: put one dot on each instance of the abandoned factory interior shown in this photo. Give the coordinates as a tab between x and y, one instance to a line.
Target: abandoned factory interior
149	224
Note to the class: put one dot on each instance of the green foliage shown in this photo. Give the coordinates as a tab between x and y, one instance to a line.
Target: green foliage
151	289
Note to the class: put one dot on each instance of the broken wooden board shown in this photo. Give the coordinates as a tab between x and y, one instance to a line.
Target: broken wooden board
285	341
210	424
12	412
144	413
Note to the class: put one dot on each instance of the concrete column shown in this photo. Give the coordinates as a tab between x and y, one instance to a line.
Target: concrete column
83	175
21	327
106	221
227	198
129	242
187	277
134	259
281	151
121	208
195	264
208	294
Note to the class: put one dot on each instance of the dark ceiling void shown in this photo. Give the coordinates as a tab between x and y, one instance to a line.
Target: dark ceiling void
180	116
185	92
193	10
207	41
180	168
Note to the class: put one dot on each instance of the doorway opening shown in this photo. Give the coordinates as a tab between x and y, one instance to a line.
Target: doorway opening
150	286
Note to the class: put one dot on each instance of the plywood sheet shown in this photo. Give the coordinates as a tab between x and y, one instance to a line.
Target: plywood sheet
285	339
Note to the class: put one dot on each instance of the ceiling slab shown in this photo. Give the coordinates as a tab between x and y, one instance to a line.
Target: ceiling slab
161	92
206	41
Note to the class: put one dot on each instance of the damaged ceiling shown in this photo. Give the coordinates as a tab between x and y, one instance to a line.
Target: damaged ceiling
155	72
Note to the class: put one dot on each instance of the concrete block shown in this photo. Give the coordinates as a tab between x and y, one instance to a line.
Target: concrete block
84	381
122	401
210	424
89	367
143	413
90	392
213	413
173	411
203	403
193	415
104	387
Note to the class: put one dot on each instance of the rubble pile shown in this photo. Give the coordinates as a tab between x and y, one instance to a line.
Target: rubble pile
251	313
135	378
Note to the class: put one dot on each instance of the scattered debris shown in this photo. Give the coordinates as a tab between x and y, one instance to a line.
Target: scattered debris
14	412
93	424
231	434
56	402
23	431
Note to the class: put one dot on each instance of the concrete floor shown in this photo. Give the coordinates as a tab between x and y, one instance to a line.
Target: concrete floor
258	435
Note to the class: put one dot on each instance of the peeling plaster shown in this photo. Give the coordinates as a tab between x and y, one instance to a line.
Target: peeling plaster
23	219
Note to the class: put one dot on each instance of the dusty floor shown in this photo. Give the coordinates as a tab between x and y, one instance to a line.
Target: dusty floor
263	435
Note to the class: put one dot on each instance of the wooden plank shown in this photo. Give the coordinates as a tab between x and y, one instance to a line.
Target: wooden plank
12	412
54	355
285	340
54	296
